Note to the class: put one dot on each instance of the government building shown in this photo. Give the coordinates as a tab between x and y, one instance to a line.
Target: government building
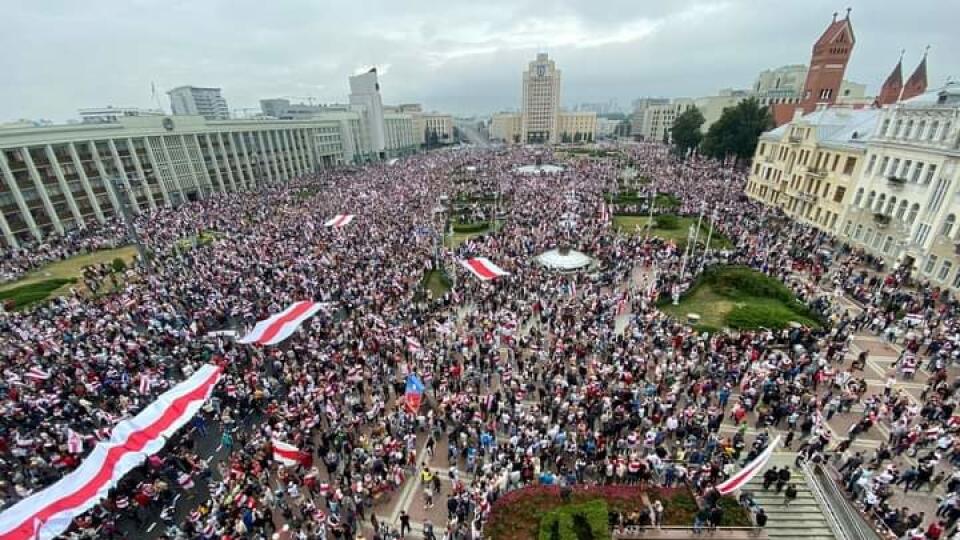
62	177
541	121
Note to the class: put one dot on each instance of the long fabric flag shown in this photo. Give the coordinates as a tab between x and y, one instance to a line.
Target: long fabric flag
48	513
338	221
744	475
483	268
282	325
414	393
286	453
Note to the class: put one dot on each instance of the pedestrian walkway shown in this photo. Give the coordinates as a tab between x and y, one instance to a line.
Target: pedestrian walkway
803	518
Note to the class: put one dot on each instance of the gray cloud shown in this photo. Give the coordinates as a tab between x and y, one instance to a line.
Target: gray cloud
458	56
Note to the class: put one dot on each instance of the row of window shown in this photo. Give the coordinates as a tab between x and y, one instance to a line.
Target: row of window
905	169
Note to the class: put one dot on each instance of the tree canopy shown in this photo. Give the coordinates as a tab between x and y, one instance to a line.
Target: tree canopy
737	130
686	130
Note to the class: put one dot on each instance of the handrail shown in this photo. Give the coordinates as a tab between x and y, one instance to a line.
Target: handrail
851	523
828	511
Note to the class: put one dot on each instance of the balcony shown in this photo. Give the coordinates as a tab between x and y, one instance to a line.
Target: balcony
819	173
794	139
809	197
896	182
768	159
881	219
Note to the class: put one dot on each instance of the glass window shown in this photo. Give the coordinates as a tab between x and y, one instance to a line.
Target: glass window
931	264
871	163
944	270
888	245
948	225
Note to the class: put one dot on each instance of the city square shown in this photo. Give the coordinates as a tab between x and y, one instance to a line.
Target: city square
733	316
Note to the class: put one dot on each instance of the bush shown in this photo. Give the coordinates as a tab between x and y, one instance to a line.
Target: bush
477	227
668	222
771	316
666	200
736	281
119	265
24	295
734	514
586	521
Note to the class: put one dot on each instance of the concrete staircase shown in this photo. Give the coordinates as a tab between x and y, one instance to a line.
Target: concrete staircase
803	519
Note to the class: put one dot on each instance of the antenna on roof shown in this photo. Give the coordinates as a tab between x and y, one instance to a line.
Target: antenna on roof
848	13
835	16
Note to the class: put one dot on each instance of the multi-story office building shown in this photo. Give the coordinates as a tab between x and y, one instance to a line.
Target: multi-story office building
110	114
283	109
808	167
541	101
57	178
365	97
577	126
899	168
197	101
639	122
506	127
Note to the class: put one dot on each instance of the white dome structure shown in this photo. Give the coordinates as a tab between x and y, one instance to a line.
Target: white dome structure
565	260
539	169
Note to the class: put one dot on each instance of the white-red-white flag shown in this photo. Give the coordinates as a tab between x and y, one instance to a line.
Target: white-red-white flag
37	374
145	383
745	474
483	268
413	345
282	325
339	221
287	454
74	442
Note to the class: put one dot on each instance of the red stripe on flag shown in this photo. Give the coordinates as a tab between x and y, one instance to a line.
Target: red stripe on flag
282	453
136	441
338	221
278	324
481	269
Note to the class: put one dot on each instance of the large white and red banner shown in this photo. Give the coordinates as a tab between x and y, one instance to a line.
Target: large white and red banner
48	513
287	454
744	475
483	268
282	325
338	221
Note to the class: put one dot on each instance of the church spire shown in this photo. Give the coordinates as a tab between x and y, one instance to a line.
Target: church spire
917	83
890	91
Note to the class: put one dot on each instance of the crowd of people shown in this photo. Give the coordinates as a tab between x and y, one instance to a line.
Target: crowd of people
535	377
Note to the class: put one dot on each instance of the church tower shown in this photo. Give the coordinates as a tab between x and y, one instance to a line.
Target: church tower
917	83
893	86
828	63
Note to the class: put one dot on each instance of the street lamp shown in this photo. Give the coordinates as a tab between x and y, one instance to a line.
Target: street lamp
122	196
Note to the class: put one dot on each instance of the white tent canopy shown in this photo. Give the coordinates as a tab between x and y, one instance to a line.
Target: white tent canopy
570	260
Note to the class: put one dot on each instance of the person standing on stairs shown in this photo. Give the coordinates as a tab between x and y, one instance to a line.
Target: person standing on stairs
790	494
782	478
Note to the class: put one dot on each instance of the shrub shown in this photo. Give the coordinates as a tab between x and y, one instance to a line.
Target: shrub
24	295
666	200
771	316
586	521
734	514
119	265
477	227
668	222
738	281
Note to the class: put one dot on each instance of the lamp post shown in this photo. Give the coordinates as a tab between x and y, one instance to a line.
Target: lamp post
121	194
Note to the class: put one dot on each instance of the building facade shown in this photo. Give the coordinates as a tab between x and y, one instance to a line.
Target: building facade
540	107
505	127
57	178
900	174
638	119
110	114
577	126
809	167
365	98
198	101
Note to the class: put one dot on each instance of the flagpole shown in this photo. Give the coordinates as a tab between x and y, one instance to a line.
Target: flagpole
713	218
696	232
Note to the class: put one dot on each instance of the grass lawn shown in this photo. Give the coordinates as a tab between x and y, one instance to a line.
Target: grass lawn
56	278
628	225
201	239
436	284
738	297
457	238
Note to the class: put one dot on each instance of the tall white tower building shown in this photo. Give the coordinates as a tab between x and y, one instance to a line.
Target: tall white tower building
365	95
541	101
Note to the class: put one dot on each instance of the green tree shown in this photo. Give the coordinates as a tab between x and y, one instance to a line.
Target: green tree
686	130
736	132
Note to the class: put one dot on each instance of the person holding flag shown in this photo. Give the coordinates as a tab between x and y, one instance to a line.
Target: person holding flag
414	393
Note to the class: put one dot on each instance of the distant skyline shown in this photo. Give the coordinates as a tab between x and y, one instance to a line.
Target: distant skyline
456	57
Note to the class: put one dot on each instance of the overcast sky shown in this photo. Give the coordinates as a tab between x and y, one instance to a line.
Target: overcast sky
458	56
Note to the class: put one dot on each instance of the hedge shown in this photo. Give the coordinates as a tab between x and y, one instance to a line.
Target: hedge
24	295
585	521
667	222
477	227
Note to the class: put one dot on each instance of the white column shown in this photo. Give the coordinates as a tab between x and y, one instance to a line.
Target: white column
192	166
226	162
216	163
246	157
244	179
67	194
298	148
104	179
140	174
41	190
281	155
122	171
85	182
173	169
138	166
8	232
289	138
287	153
203	164
262	156
17	196
156	172
274	157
